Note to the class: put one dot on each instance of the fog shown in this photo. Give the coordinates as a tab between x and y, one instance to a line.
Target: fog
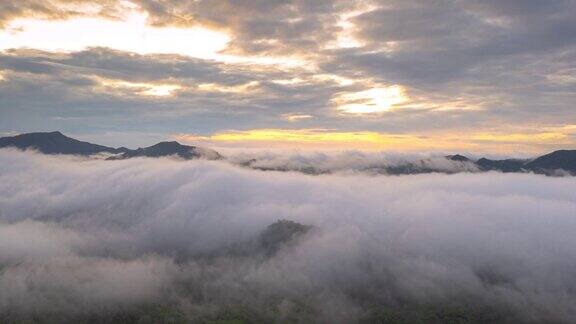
346	162
131	239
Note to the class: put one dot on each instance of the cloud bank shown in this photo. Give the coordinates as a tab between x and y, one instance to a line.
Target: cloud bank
151	239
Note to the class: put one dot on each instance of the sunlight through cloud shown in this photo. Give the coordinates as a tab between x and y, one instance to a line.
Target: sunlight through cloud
296	117
243	88
146	89
132	34
370	101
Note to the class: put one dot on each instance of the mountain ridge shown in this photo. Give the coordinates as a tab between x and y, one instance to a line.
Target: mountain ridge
58	143
555	163
170	148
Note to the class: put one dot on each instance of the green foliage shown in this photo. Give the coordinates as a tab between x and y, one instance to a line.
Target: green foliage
437	314
236	314
163	315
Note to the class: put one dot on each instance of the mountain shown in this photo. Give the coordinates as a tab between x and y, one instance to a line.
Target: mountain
170	149
563	159
458	157
55	143
58	143
548	164
507	165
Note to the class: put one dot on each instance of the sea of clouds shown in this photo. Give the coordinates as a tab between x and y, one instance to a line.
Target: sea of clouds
83	237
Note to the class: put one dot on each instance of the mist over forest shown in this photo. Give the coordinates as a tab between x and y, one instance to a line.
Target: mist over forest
168	241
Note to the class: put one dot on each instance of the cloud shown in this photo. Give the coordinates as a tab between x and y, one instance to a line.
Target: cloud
347	162
73	285
103	238
489	55
257	27
463	66
75	89
57	9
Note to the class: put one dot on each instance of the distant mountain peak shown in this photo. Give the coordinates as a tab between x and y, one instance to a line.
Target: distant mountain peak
170	148
507	165
54	143
172	144
561	159
458	157
57	143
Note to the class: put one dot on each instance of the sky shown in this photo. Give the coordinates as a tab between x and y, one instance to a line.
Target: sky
403	75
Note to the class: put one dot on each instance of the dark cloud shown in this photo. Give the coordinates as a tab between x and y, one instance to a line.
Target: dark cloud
406	22
439	41
505	54
120	65
518	8
257	27
66	89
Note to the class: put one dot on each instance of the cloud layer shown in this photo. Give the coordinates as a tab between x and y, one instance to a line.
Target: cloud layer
81	238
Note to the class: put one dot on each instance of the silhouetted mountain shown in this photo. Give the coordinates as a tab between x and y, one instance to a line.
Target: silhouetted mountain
457	157
170	149
280	233
563	159
508	165
547	164
58	143
55	143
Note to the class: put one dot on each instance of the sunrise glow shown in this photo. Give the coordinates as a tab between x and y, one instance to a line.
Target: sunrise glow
140	88
371	101
130	34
